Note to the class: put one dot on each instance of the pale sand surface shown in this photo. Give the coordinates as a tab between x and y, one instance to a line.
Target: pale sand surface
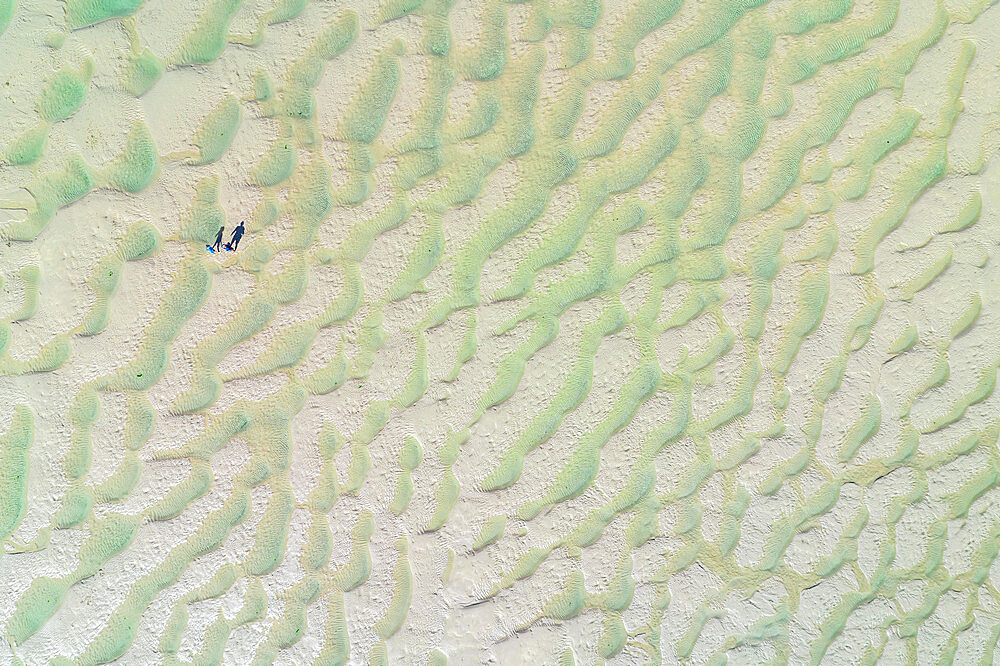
562	332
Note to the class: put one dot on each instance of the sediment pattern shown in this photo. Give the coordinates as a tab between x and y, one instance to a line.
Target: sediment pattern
564	331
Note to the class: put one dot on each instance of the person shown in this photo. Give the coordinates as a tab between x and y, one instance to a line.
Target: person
218	240
237	235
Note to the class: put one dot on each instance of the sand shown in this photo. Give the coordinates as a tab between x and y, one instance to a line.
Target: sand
561	332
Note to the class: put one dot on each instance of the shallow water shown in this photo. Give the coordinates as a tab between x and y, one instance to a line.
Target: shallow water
561	332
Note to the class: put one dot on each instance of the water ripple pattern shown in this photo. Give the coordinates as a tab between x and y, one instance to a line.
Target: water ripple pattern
562	332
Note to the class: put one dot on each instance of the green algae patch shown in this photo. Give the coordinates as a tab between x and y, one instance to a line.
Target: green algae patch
7	9
82	13
206	386
170	639
51	192
812	303
876	145
336	647
82	414
207	39
286	350
107	538
137	165
288	285
367	111
142	71
905	341
411	453
423	259
612	639
185	295
919	177
410	456
337	37
863	429
139	422
55	39
491	531
104	281
285	10
403	494
329	441
968	216
63	94
59	189
75	508
263	85
272	533
205	215
217	585
291	625
276	165
486	60
218	130
379	656
924	279
254	604
359	566
399	605
570	601
311	199
14	445
257	255
31	278
38	603
51	356
316	553
968	317
390	10
28	147
122	481
265	214
141	240
446	494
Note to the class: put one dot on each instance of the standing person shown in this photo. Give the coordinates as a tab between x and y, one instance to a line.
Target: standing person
237	235
218	240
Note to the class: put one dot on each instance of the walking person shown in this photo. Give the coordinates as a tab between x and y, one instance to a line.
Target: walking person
237	235
217	245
